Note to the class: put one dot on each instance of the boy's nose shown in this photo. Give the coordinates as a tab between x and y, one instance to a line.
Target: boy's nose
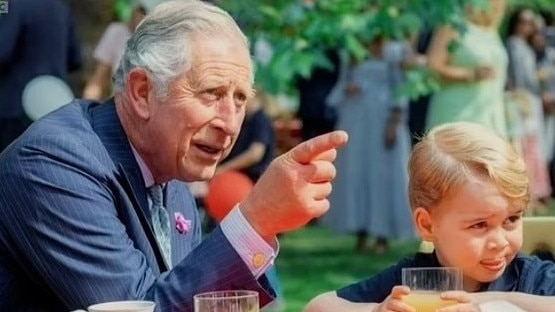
498	240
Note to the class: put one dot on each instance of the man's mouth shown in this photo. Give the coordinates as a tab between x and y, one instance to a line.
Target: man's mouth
209	149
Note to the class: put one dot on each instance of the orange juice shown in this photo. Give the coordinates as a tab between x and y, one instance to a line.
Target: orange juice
426	301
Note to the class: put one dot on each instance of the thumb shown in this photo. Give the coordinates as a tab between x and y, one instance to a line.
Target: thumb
308	150
399	291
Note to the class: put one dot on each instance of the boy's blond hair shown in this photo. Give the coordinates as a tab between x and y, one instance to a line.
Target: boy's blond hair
452	154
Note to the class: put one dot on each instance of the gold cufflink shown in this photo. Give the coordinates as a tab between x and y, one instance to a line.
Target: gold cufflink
258	260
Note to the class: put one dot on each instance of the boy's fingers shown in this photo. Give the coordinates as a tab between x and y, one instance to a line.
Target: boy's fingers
456	295
399	291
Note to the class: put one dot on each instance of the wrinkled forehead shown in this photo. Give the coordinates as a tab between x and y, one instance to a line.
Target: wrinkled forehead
222	48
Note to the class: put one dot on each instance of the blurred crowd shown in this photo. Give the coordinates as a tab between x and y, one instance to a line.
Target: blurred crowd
504	82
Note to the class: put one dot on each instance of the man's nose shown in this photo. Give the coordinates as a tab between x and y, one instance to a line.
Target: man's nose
228	116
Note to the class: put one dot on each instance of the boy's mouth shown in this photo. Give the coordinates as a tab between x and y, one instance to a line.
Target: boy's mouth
493	264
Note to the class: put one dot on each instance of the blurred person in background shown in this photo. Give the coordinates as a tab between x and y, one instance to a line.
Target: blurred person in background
473	69
370	193
543	43
523	71
548	30
110	48
525	77
317	117
37	37
418	107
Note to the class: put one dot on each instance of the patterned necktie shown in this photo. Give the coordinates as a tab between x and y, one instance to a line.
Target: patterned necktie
160	221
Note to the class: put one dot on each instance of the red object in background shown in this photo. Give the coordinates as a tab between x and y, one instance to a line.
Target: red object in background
226	189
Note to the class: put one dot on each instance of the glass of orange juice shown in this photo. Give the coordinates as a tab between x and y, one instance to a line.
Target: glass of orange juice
426	284
227	301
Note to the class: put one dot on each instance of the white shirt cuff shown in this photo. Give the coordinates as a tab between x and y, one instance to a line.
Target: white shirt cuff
253	249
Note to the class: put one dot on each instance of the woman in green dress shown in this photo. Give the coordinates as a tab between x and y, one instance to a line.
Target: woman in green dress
472	66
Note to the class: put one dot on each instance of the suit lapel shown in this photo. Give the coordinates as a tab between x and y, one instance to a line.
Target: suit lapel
179	200
108	128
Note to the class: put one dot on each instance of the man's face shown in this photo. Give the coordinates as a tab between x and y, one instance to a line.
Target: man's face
197	125
477	230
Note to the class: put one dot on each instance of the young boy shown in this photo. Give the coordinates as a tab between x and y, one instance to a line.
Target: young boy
468	190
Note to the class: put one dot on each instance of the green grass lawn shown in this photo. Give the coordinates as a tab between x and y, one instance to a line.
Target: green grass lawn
314	260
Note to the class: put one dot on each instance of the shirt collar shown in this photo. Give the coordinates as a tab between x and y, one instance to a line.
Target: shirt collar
145	171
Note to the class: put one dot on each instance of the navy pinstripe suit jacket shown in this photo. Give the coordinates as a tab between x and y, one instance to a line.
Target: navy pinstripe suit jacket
75	229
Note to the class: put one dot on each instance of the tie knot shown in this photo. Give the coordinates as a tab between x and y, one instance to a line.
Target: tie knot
156	194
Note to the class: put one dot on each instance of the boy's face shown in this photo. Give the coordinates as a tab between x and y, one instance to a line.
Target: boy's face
477	230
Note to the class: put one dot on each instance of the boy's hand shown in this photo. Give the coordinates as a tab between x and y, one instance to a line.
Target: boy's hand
394	302
464	299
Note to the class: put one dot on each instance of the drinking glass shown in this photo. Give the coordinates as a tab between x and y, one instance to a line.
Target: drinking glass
426	284
227	301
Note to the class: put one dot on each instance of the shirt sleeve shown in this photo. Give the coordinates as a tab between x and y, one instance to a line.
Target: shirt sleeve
538	277
373	289
104	51
253	249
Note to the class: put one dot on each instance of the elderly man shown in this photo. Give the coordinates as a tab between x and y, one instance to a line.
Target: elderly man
83	220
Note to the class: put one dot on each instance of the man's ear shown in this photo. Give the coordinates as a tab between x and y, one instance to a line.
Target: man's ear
138	85
423	223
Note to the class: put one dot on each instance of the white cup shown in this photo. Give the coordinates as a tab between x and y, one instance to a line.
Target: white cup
123	306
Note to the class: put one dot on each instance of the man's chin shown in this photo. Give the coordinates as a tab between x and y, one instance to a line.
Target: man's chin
203	174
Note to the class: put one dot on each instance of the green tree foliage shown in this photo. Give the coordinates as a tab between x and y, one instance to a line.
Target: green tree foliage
300	31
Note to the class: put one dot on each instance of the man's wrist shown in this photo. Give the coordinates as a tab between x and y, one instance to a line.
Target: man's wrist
255	251
255	221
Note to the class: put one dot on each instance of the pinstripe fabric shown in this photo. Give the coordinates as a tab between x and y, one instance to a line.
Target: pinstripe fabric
75	229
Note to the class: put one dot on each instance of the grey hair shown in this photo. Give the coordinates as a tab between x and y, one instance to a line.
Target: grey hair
161	43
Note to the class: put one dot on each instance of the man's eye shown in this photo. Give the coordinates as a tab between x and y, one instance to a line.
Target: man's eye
212	91
240	98
211	94
513	219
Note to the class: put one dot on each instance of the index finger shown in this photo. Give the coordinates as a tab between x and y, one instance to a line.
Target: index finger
308	150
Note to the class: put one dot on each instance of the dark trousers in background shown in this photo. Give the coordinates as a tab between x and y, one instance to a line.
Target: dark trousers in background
418	109
313	127
11	128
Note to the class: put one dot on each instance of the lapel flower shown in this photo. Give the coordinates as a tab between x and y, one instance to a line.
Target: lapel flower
181	224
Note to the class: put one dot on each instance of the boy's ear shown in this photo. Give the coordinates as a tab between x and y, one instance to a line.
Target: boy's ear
423	223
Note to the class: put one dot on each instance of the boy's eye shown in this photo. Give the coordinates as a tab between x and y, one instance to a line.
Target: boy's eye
513	219
479	225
